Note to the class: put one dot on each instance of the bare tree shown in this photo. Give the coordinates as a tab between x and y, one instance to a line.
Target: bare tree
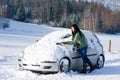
3	9
115	3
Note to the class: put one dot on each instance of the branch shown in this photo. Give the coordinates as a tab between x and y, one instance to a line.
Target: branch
115	3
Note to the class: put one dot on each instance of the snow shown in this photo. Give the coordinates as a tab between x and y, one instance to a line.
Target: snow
115	41
20	35
27	29
46	45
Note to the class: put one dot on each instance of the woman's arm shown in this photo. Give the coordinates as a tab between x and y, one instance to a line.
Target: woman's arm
77	36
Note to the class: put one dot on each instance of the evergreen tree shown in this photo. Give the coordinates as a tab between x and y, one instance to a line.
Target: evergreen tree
44	16
20	15
58	10
51	14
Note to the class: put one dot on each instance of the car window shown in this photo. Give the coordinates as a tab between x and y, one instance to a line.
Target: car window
66	36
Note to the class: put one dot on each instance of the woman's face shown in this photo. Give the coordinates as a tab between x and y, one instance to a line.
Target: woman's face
73	29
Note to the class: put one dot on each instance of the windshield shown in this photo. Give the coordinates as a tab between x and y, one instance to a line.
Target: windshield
57	35
66	36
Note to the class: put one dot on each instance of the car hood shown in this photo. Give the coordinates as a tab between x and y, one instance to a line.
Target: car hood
43	52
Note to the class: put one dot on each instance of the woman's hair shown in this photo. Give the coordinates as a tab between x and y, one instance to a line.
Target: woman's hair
75	26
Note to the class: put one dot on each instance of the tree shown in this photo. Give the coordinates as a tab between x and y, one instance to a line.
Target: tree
3	9
20	15
44	16
58	10
91	16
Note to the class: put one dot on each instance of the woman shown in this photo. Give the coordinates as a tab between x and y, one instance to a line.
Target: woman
79	39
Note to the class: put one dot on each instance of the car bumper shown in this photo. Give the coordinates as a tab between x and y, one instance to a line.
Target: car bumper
42	67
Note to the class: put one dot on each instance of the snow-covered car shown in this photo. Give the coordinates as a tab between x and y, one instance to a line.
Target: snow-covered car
46	56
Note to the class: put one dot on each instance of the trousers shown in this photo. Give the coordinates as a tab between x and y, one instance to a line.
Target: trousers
83	52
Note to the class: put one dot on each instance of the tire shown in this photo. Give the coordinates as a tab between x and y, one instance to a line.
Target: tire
64	65
100	62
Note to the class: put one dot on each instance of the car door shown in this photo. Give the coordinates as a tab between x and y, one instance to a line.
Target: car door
76	58
91	51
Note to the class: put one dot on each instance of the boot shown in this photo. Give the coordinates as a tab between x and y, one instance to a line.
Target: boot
91	66
84	69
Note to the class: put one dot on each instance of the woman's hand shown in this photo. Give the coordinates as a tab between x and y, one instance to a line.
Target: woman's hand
64	42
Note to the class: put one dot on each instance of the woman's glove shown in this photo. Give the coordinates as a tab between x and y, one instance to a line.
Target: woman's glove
61	43
64	42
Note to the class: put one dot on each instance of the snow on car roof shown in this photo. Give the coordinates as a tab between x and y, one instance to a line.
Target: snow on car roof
57	36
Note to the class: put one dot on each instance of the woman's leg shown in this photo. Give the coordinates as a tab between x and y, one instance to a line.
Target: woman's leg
83	53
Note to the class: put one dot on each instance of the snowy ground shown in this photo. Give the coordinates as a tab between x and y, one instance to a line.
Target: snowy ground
20	35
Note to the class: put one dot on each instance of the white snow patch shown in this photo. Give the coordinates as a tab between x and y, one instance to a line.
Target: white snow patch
115	41
1	57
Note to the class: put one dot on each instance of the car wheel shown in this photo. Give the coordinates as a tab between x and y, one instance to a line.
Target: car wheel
100	62
64	65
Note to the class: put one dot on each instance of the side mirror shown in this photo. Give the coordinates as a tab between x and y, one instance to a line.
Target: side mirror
75	48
